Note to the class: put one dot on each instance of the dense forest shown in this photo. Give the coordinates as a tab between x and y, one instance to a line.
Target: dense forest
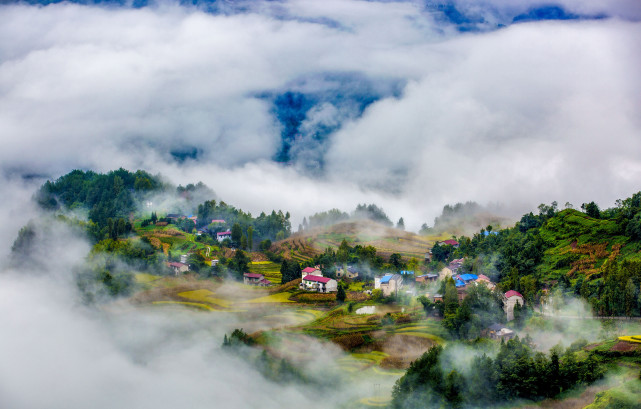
591	253
516	372
112	200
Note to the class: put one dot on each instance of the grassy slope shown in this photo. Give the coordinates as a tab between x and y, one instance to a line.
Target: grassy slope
581	244
386	240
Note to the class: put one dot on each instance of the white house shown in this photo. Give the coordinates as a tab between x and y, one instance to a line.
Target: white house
311	271
255	279
320	284
220	236
510	299
178	267
389	284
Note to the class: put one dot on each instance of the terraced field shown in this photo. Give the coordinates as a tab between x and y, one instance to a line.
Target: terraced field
269	269
386	240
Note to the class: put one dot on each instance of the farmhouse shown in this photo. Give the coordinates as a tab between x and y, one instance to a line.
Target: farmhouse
311	271
319	284
483	279
178	267
452	243
426	277
255	279
456	264
389	284
220	236
349	272
467	278
510	299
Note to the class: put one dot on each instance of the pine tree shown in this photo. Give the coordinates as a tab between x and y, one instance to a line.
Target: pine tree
340	295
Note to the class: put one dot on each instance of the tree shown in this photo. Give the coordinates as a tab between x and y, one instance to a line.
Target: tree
290	270
340	295
342	254
591	209
396	261
265	245
250	238
239	263
243	242
453	387
236	233
450	298
401	224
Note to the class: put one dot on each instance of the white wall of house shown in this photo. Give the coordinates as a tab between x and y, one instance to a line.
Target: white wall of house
509	305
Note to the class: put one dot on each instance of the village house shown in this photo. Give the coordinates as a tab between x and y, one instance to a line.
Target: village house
510	299
456	264
255	279
349	272
319	284
220	236
311	271
428	256
218	221
177	267
483	279
389	284
498	332
424	278
452	243
468	278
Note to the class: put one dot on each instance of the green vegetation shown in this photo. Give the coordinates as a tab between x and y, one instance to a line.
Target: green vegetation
626	396
517	372
109	198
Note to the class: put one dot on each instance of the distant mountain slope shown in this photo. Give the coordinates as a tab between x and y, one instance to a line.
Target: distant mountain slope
386	240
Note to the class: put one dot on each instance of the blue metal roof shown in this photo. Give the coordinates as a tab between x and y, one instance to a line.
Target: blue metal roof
407	272
468	277
385	279
459	283
487	233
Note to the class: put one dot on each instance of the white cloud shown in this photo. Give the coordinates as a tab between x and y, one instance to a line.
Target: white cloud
532	113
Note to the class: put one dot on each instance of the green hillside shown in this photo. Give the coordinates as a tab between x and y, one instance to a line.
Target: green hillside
579	245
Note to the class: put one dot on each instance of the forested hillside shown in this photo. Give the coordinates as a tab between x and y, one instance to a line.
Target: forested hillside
591	253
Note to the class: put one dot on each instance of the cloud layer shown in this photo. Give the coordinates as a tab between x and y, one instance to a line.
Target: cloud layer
396	105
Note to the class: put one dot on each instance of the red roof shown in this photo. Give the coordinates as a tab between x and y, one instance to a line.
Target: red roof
324	280
512	293
224	233
218	221
309	270
253	275
450	242
265	281
176	264
483	277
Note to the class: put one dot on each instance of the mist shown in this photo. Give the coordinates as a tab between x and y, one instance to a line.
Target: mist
60	352
412	117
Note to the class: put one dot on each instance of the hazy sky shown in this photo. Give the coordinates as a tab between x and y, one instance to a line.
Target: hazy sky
308	105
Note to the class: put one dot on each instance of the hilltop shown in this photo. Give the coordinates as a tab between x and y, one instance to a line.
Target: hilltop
387	240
